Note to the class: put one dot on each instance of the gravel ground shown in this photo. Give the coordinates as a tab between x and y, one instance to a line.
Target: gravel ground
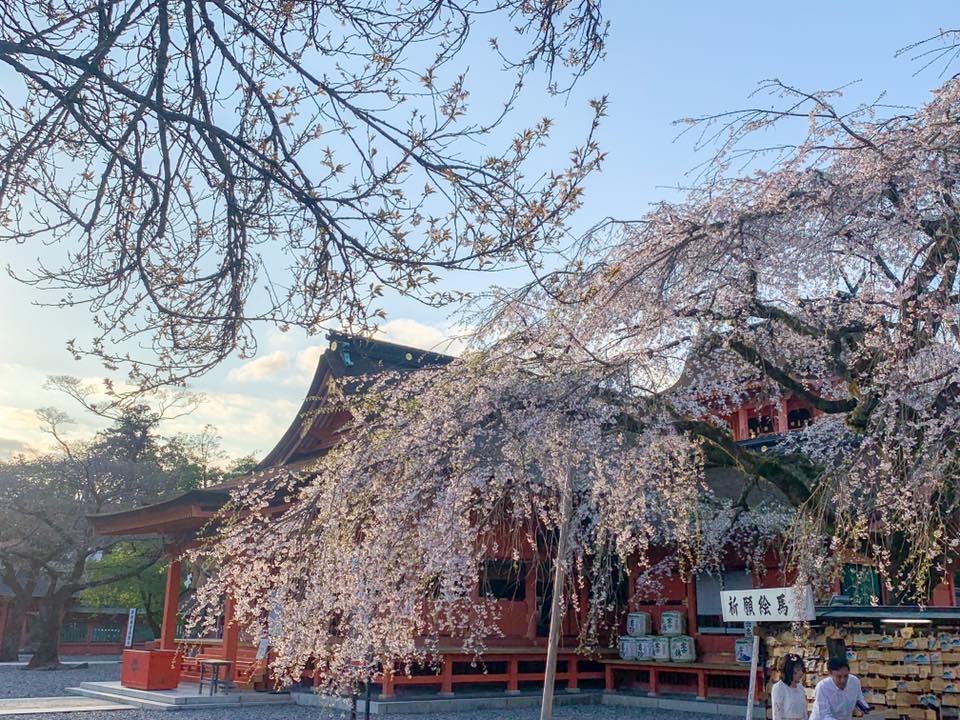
16	682
295	712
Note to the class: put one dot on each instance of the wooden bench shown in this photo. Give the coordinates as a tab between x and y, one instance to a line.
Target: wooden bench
701	671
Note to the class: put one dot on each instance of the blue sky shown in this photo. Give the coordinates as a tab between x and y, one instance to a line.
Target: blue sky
665	60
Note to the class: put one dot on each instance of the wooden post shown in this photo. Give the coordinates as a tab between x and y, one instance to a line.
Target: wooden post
741	431
171	601
556	606
691	603
754	657
513	679
782	422
446	677
386	683
608	683
654	683
231	634
572	679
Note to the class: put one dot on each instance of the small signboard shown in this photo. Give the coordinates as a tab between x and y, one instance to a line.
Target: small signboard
764	605
262	648
131	624
789	604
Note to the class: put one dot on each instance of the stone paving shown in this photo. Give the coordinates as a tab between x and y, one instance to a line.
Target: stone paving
56	705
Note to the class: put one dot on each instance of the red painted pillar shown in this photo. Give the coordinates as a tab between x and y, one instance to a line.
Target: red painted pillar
386	684
171	601
654	682
691	602
740	430
608	684
446	676
231	633
782	424
572	674
513	671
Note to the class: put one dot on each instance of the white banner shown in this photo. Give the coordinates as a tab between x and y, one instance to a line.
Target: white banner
131	624
789	604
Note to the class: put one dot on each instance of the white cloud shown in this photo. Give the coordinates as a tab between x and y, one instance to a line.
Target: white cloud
251	410
246	424
295	367
405	331
20	429
307	359
261	368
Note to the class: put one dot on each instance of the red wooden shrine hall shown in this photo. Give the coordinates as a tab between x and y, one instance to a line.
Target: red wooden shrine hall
517	658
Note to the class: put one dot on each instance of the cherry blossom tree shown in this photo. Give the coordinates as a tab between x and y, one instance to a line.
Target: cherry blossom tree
204	165
378	552
825	270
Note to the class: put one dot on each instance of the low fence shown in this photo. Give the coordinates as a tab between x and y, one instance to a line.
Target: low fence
99	637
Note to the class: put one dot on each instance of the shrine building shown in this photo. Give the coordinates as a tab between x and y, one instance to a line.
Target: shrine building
514	661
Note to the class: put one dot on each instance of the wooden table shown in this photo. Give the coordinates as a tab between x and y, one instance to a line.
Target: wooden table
214	666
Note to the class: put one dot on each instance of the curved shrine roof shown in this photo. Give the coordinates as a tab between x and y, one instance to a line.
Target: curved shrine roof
313	431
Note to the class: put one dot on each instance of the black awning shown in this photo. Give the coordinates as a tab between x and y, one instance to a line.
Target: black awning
877	613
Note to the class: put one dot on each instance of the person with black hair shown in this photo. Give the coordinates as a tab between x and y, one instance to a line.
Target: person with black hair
838	695
788	698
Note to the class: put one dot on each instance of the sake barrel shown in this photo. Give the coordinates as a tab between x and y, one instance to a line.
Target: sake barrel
638	623
628	647
682	649
743	650
673	623
660	649
645	647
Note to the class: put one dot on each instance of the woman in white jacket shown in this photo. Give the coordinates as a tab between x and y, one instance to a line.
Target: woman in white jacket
789	698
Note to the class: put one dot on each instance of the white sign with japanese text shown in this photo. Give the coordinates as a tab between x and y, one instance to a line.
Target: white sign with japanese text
131	624
789	604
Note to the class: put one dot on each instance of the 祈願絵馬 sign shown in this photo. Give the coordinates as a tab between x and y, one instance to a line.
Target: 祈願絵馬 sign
765	605
789	604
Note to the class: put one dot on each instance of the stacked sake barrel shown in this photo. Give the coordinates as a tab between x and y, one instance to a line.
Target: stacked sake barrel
637	644
670	645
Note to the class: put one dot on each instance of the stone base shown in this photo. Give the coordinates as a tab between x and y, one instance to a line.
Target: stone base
184	697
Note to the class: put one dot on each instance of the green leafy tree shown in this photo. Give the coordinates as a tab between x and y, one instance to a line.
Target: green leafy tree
45	539
141	585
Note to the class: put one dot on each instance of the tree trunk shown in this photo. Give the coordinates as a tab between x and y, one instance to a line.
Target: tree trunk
150	612
47	654
22	587
16	612
556	605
